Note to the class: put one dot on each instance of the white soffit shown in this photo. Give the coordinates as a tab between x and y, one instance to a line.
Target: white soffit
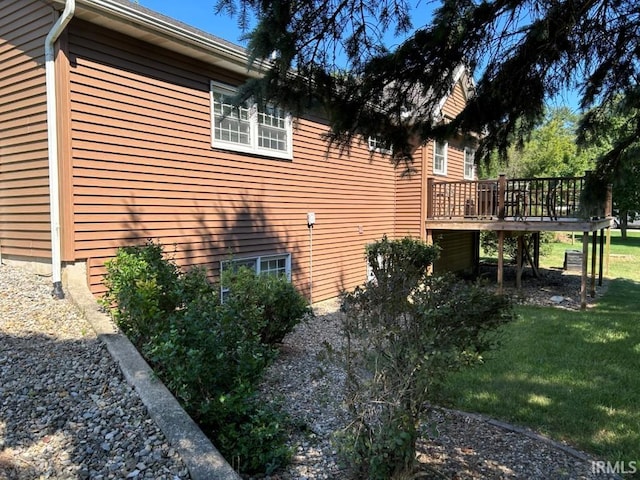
138	22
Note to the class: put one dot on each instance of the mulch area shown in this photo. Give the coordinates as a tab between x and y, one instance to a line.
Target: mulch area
546	289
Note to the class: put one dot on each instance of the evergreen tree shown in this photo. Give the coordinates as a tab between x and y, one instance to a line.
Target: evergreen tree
331	53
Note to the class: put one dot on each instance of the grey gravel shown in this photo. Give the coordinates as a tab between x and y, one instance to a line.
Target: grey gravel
458	445
65	410
67	413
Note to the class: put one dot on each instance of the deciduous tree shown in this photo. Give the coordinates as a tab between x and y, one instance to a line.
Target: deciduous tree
612	130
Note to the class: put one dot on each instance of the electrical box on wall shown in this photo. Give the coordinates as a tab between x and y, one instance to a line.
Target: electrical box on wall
311	219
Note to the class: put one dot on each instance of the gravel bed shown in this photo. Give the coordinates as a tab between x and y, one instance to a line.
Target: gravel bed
461	446
65	410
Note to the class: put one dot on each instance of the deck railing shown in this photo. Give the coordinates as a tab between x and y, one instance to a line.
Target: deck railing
545	199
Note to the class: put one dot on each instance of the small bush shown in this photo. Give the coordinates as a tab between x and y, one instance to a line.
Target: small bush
405	332
210	355
140	290
255	433
283	307
489	243
212	359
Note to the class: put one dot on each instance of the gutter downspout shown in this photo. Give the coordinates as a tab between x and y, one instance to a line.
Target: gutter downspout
52	137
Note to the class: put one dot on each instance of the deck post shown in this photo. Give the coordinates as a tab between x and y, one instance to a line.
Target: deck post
429	241
430	199
607	251
594	250
520	267
502	187
608	212
601	259
608	204
500	261
583	282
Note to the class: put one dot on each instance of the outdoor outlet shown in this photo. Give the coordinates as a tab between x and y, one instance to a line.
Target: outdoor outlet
311	219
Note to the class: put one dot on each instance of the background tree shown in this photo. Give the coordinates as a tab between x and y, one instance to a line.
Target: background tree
551	151
610	129
522	52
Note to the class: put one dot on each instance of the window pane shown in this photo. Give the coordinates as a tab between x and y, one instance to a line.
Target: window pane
272	129
230	123
379	145
273	266
469	169
251	263
439	157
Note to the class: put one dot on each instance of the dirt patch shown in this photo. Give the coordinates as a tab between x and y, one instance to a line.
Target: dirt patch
553	286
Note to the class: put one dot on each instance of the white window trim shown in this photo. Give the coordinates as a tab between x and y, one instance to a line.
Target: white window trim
443	170
370	276
253	146
258	260
374	146
469	152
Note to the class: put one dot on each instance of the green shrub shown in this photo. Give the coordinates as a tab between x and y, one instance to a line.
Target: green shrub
404	334
210	355
489	243
208	352
212	359
255	433
283	307
140	290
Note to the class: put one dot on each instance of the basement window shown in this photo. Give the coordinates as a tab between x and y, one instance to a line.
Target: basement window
279	265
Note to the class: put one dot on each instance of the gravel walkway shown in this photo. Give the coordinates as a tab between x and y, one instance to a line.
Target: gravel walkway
65	410
461	447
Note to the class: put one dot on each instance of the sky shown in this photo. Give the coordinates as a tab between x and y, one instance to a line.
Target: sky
201	14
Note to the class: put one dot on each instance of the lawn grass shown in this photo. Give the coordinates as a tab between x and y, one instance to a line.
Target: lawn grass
571	375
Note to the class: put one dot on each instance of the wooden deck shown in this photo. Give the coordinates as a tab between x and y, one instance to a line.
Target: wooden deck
521	204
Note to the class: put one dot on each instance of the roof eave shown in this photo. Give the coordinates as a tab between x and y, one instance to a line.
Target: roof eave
138	22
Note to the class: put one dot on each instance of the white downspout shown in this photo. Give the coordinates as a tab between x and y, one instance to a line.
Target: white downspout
52	134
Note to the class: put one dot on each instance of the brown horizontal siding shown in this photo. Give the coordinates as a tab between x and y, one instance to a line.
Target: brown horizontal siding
408	198
457	253
24	185
455	102
455	161
144	168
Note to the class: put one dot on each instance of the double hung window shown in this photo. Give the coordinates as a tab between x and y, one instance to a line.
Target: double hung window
377	144
246	128
469	164
440	158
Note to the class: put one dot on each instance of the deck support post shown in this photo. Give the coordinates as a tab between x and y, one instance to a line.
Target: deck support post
607	251
536	250
500	261
601	259
502	187
583	282
429	241
594	250
520	260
